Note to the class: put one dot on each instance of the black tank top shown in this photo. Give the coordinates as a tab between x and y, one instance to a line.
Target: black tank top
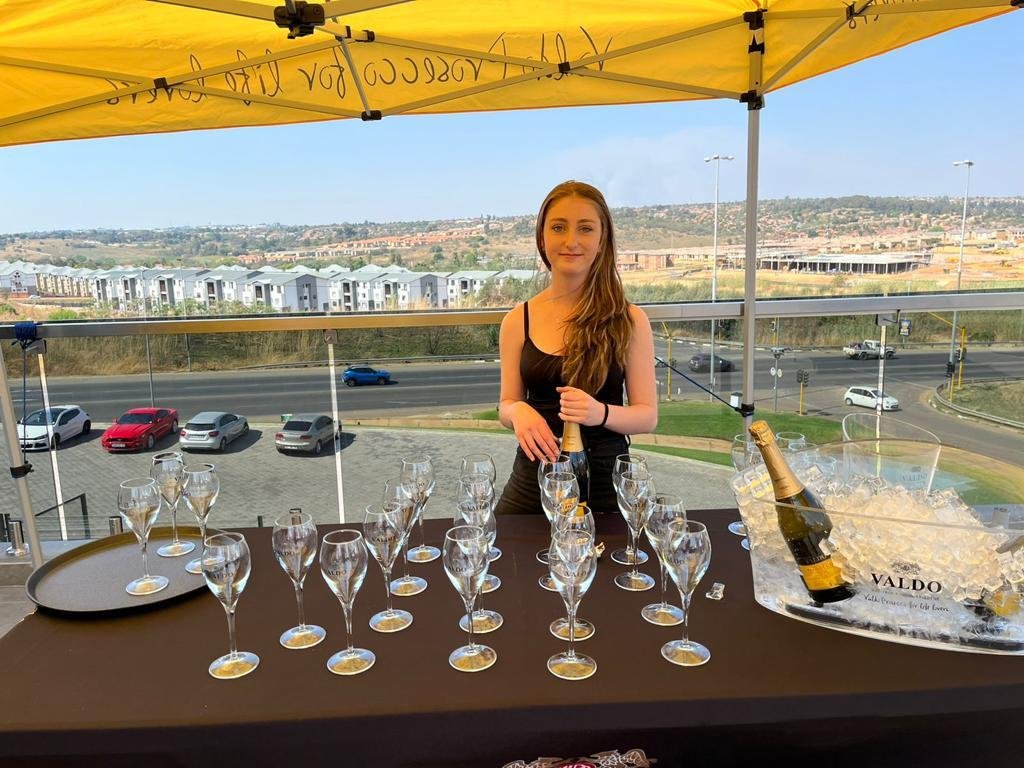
542	373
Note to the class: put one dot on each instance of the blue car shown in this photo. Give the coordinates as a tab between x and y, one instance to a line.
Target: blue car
364	374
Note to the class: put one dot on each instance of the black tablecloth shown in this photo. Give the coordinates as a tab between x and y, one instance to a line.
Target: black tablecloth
119	690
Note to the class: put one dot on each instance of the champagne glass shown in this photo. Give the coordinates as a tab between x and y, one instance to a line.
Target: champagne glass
623	463
573	563
294	540
634	492
663	510
544	467
168	471
468	512
559	493
482	463
398	498
791	441
200	489
343	564
465	562
226	567
385	530
744	454
419	473
687	549
582	629
139	503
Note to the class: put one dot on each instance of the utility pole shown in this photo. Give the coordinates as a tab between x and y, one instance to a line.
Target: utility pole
959	267
717	158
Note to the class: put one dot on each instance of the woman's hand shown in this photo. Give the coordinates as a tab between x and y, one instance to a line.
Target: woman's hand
533	433
576	405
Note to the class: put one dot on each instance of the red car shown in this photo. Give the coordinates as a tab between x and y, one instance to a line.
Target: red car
139	428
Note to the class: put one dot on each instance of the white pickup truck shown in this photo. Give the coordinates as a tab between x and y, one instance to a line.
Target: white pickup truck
862	350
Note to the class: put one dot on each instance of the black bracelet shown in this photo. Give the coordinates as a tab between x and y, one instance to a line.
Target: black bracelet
605	419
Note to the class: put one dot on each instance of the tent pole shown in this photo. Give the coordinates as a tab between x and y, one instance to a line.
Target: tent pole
750	267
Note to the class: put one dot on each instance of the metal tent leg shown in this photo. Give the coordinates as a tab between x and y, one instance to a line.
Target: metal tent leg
750	266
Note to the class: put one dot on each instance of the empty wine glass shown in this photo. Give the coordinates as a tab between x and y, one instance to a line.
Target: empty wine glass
419	473
634	492
482	463
791	441
562	523
200	488
623	463
573	563
385	530
467	512
744	454
139	503
226	567
294	541
398	498
559	494
544	467
168	471
663	510
465	562
687	550
343	564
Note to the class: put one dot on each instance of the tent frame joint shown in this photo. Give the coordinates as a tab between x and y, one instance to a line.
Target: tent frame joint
1017	3
754	19
753	100
564	67
161	82
371	114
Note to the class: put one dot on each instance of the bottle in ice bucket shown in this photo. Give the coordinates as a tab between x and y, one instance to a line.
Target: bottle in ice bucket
572	446
803	522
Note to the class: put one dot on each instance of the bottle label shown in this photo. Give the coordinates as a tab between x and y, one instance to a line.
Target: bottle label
823	575
572	441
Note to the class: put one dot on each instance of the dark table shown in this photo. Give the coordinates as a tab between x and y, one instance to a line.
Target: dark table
133	689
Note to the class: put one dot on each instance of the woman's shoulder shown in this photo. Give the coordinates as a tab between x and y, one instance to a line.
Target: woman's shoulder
638	316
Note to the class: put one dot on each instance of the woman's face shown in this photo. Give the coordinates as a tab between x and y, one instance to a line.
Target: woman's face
572	235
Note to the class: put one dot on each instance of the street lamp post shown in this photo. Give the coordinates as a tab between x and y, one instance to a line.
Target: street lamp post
714	259
960	264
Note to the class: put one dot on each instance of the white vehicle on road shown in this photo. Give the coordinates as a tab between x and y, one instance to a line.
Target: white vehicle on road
869	397
67	421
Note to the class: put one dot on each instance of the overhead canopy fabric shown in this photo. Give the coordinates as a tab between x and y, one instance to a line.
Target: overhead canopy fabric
74	69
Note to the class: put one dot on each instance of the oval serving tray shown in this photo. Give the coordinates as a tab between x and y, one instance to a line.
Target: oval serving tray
91	578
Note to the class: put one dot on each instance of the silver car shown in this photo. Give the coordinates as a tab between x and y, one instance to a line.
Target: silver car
212	430
306	432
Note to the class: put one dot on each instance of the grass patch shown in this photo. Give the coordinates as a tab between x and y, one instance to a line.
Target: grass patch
1004	399
710	457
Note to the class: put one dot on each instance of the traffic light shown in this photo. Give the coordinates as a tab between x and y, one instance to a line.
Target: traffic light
802	376
960	353
950	368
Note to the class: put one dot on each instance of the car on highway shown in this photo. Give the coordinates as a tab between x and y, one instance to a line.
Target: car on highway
306	433
364	374
212	430
139	428
66	421
702	362
867	398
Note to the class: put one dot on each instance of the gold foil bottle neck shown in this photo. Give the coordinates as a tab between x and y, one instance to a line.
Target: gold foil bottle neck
572	441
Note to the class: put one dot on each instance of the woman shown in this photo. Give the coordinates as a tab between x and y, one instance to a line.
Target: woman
566	353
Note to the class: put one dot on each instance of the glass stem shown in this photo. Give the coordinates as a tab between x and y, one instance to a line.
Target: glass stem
571	607
469	618
387	588
298	600
174	523
423	536
145	559
346	608
405	559
232	646
664	586
685	598
632	556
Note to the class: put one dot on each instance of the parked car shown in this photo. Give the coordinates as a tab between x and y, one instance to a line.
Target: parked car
212	430
702	362
306	432
868	397
139	428
67	421
364	374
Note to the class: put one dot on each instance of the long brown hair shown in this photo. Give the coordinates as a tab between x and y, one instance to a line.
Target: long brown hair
599	328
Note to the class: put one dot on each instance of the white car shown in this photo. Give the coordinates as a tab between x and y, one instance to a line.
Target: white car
869	397
212	430
67	420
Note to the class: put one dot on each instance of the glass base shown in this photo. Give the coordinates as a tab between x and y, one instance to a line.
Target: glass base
484	621
390	621
351	662
146	585
424	554
662	614
546	582
473	658
234	665
542	556
408	585
623	556
573	666
686	653
494	554
176	548
634	582
560	629
745	543
195	566
491	583
305	636
738	528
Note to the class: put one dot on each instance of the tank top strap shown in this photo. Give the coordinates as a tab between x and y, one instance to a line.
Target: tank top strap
526	320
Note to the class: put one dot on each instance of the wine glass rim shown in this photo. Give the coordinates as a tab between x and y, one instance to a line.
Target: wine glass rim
304	518
464	533
631	458
216	533
685	525
559	476
200	466
416	458
475	457
168	456
785	435
342	536
138	482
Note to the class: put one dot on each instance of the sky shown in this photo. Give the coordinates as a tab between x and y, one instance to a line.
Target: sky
892	125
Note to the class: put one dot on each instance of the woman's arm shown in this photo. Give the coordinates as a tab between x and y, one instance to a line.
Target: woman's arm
641	414
532	431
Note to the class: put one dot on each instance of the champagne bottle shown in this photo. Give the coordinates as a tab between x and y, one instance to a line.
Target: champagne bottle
572	446
803	523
